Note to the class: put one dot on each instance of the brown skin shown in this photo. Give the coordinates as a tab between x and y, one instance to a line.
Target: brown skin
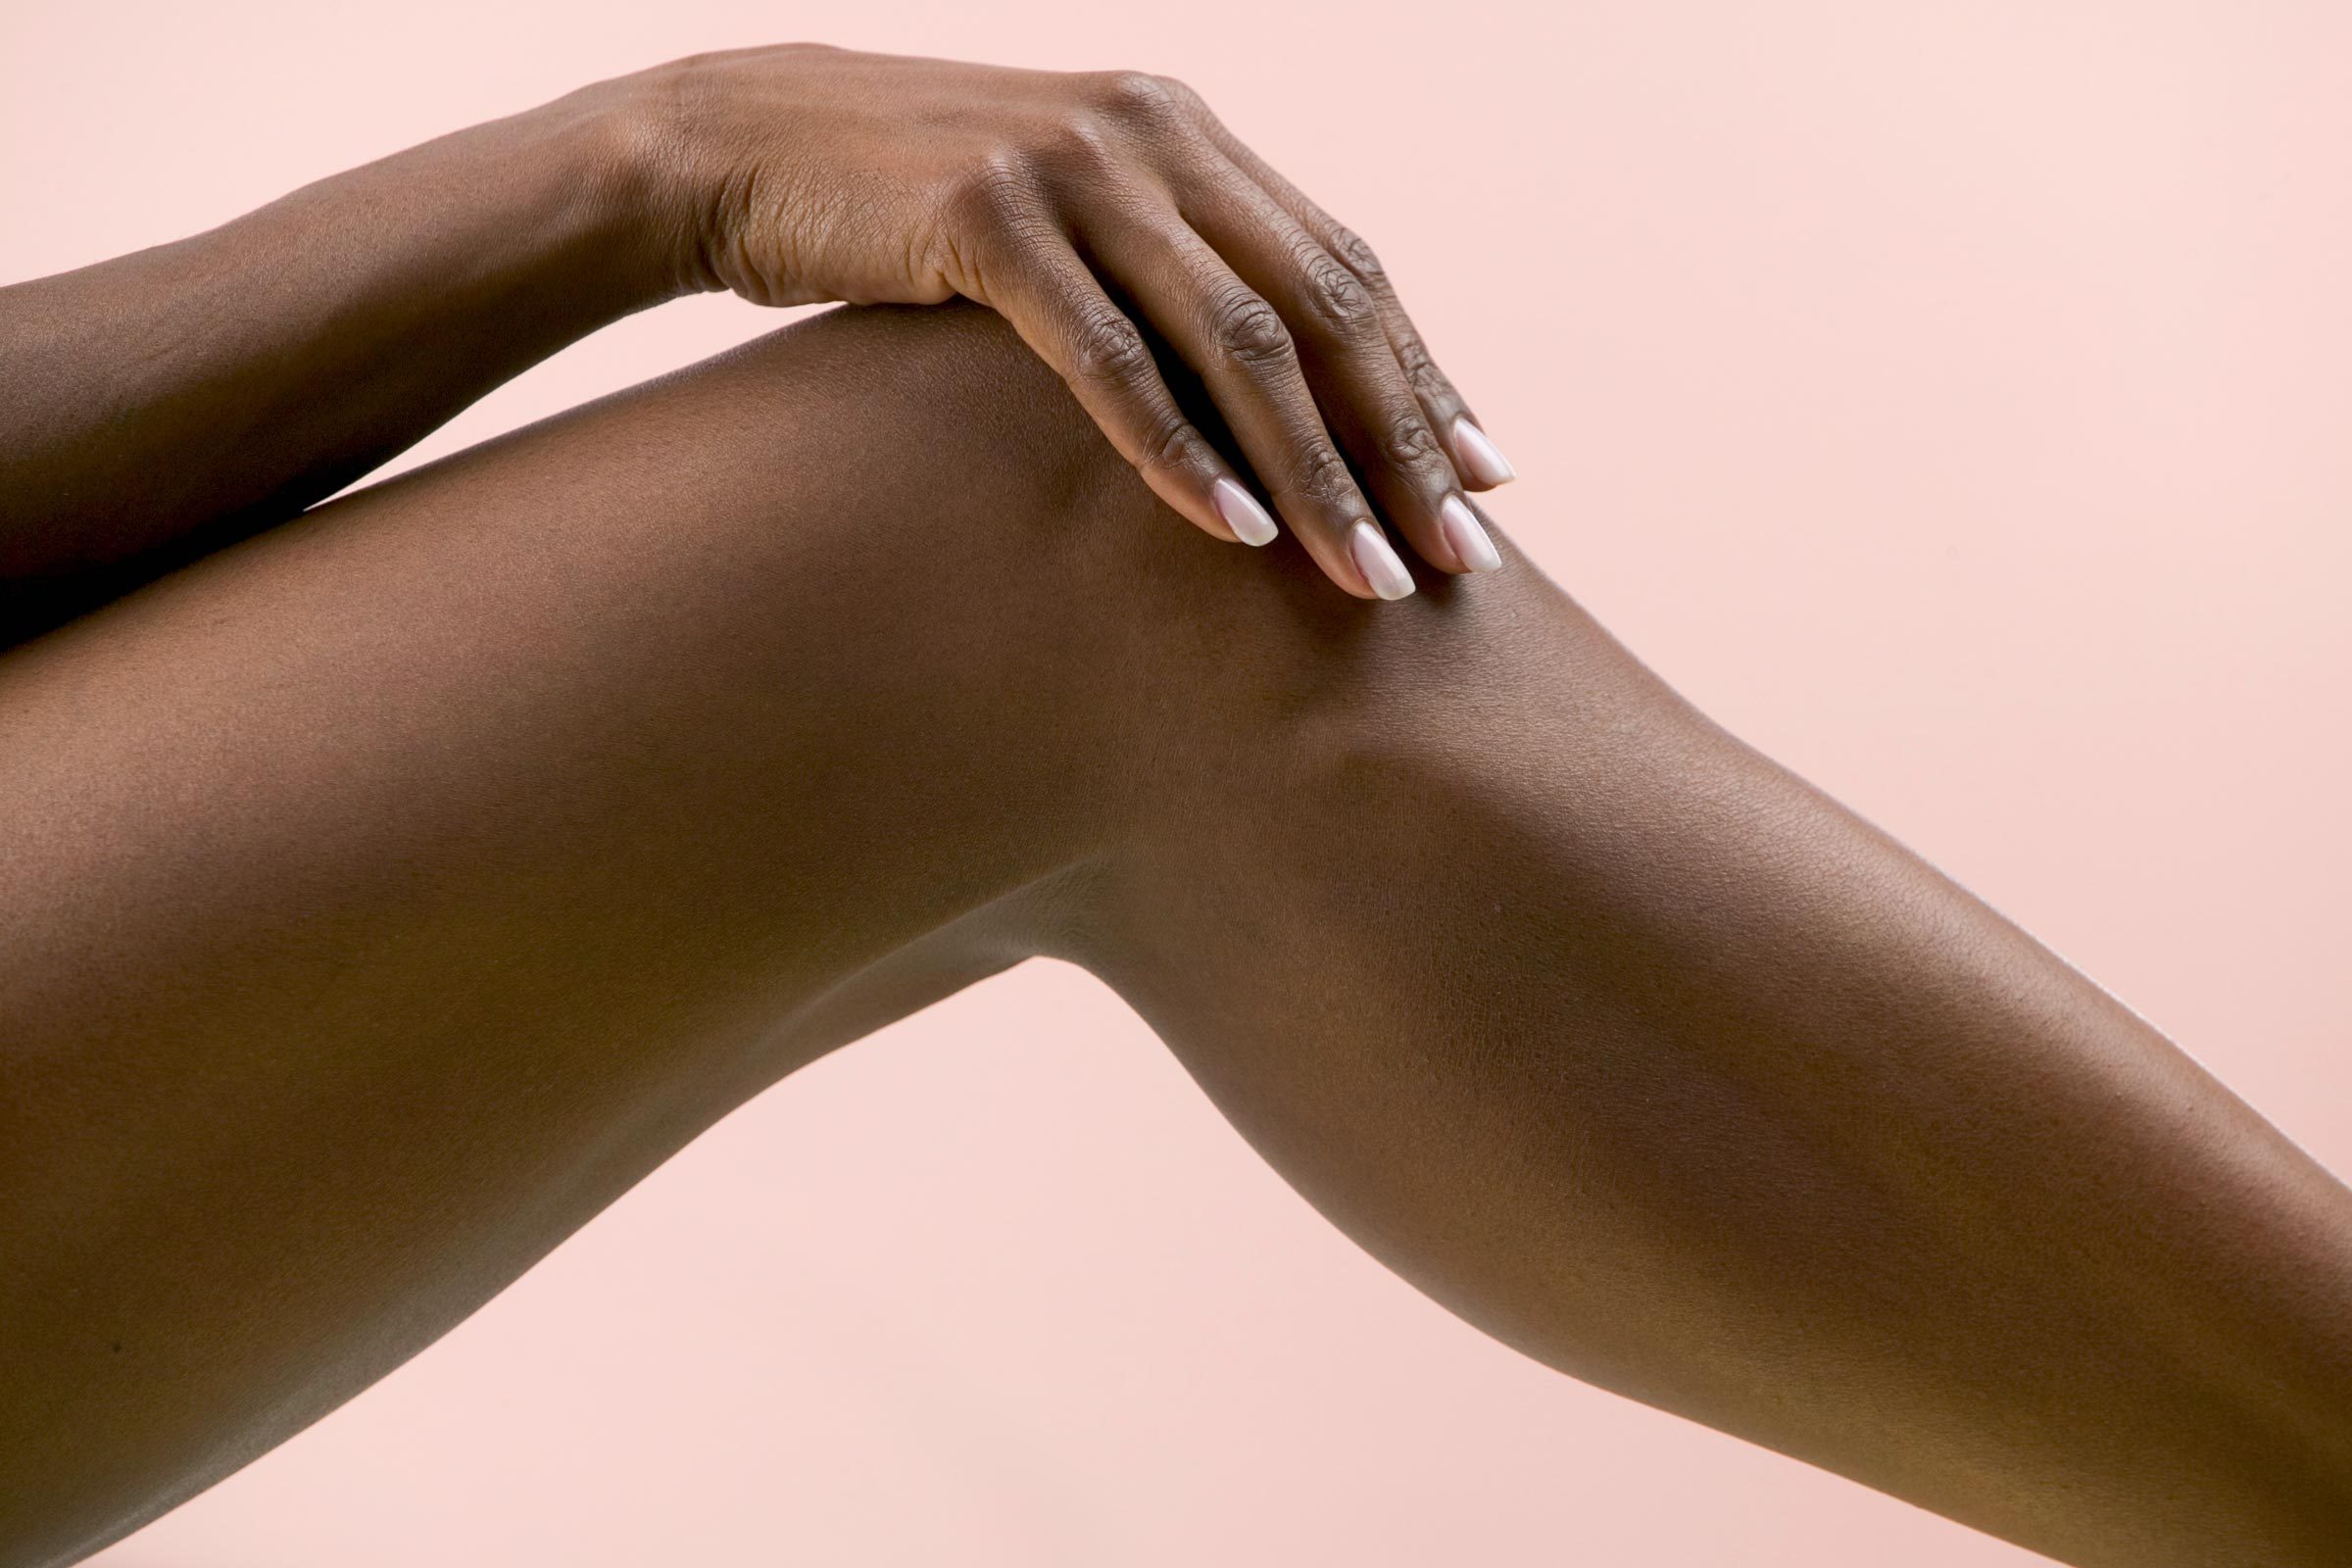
387	893
284	355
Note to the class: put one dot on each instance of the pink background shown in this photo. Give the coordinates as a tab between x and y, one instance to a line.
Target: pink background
1952	398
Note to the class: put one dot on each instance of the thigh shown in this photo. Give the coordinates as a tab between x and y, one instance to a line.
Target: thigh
387	893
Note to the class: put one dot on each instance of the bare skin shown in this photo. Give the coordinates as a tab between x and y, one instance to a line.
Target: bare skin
388	892
274	361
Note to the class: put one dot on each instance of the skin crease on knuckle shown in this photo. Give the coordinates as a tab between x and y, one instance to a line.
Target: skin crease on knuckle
1108	350
1083	155
1337	299
992	223
1002	196
1421	373
1137	96
1411	448
1323	478
1245	328
1356	256
1174	446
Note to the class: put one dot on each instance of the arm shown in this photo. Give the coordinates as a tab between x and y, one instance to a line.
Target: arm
235	377
224	384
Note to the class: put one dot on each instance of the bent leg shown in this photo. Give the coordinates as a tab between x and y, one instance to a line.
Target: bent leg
388	894
1645	1056
398	888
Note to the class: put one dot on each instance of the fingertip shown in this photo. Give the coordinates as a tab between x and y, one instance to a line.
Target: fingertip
1239	511
1384	571
1479	458
1466	537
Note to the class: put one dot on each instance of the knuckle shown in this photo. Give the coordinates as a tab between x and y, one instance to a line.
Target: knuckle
1108	349
1168	444
1001	188
1322	476
1336	296
1356	256
1133	94
1083	145
1428	382
1410	444
1244	327
1181	95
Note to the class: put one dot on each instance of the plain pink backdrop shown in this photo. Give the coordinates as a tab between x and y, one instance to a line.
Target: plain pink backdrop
1954	399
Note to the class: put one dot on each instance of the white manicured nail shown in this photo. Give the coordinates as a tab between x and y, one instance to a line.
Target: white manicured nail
1378	562
1241	513
1459	525
1481	456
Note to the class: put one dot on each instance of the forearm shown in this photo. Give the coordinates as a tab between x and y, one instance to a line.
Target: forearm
253	370
1654	1062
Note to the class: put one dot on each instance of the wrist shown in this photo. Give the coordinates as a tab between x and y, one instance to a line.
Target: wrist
628	139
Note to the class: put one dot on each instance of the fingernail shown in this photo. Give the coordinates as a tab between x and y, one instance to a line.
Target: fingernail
1459	525
1481	456
1241	513
1378	562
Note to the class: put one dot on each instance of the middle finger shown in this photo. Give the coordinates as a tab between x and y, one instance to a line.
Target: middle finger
1350	365
1242	350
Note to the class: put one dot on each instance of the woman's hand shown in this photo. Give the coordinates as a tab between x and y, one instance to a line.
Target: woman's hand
1065	202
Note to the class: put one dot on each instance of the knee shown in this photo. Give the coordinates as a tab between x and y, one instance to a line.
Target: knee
982	417
992	415
1215	676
